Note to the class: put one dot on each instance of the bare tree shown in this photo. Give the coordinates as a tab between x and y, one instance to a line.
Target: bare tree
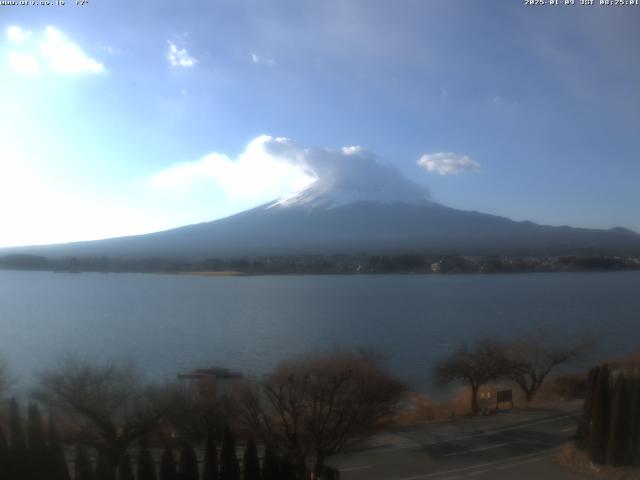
194	415
535	354
107	404
483	362
317	405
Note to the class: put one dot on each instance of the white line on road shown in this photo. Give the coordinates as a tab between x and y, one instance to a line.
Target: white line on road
480	449
455	470
481	434
518	460
509	465
532	460
569	429
353	469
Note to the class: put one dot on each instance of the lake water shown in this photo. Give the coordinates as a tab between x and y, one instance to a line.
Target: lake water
171	323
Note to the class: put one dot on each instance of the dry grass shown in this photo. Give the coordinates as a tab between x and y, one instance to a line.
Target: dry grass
630	363
422	409
558	388
571	456
576	459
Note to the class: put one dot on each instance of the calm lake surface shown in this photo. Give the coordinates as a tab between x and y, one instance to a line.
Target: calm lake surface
173	323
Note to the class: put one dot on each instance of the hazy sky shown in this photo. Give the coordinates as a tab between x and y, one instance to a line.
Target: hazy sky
122	117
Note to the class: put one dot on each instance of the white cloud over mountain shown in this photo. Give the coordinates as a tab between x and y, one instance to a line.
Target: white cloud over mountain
448	163
254	176
272	168
343	176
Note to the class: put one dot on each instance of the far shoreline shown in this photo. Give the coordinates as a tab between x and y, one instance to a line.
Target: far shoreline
335	264
208	273
232	273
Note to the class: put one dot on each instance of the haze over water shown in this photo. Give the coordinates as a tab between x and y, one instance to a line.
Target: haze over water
169	323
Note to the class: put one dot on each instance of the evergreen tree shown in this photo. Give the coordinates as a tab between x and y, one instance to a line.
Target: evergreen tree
230	469
83	468
18	441
250	462
584	424
188	462
19	455
4	455
37	443
618	444
104	471
600	420
168	465
146	466
286	470
633	456
269	465
57	464
125	471
210	470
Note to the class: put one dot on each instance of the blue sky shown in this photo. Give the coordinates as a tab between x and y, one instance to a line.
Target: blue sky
122	117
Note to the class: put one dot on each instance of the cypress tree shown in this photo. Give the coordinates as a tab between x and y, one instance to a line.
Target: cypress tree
584	424
286	470
168	465
619	425
146	466
58	469
634	423
82	464
19	460
269	465
230	469
600	420
18	441
125	471
37	443
188	462
210	470
250	462
4	455
103	469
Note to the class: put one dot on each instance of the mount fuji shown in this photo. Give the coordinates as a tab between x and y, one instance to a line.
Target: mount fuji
344	215
354	204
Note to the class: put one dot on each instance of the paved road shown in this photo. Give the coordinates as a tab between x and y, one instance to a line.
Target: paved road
511	444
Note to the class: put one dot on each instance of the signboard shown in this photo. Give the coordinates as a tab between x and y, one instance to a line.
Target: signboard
504	396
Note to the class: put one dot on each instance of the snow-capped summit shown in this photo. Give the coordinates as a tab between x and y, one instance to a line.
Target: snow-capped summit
351	175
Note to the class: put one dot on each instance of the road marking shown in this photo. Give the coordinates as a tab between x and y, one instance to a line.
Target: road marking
510	461
481	449
481	434
532	460
505	467
353	469
482	472
455	470
569	429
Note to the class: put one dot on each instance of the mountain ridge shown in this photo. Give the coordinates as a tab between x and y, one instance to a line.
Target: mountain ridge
359	227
